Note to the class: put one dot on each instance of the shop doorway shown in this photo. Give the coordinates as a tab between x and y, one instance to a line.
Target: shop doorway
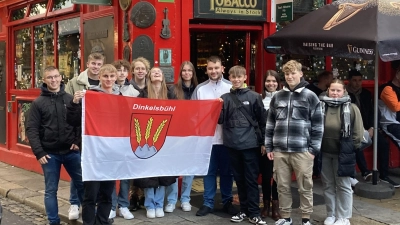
3	92
234	47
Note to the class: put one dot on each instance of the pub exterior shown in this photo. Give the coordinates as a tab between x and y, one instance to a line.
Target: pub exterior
35	34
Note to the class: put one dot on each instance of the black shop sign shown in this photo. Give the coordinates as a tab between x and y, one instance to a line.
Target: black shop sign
230	9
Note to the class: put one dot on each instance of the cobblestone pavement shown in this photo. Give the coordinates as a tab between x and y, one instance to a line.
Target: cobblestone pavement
24	214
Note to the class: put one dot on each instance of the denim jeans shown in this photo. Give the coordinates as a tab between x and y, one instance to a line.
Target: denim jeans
219	162
73	195
123	198
51	171
172	190
154	197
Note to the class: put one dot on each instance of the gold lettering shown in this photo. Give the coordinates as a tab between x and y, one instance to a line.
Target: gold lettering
254	3
235	3
219	2
211	5
228	3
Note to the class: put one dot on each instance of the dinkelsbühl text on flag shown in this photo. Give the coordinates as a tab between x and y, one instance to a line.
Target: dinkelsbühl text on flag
127	138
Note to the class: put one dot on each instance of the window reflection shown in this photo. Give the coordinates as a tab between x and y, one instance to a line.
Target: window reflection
44	50
18	14
342	66
68	48
22	63
61	4
38	8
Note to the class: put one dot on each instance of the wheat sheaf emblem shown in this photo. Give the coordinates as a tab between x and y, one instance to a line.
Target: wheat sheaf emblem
148	130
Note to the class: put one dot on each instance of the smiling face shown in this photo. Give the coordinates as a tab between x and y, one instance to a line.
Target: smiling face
139	70
214	70
122	74
94	65
52	79
187	72
156	75
336	90
293	78
107	79
271	84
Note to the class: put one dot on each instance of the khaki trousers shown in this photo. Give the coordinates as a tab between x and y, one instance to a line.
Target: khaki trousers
302	165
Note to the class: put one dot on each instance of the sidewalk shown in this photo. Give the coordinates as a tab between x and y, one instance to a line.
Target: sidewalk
28	188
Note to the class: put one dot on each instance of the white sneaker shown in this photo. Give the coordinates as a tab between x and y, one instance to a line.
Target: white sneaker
124	212
284	222
330	220
342	221
73	212
353	181
112	214
169	208
151	213
186	207
159	212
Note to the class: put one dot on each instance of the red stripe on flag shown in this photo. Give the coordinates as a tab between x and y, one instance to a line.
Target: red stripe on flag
118	116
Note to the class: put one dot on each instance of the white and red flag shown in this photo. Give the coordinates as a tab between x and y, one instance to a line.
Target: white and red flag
126	138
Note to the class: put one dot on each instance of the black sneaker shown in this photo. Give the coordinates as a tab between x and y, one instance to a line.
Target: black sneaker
390	181
239	217
257	220
204	210
367	176
230	209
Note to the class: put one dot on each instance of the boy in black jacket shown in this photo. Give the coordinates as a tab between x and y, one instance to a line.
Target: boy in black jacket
243	120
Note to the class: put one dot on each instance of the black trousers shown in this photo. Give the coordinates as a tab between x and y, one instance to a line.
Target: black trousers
383	149
266	170
245	168
97	192
361	162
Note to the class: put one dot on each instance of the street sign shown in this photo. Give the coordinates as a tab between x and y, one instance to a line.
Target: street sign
281	10
284	12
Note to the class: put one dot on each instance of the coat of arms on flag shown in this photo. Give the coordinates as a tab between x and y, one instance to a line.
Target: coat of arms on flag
129	138
148	133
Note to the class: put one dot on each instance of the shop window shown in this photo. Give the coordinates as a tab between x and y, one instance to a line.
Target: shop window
22	65
342	66
61	4
69	48
18	14
38	8
44	50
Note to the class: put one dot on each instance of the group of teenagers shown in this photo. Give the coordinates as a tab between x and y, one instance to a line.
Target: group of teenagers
274	134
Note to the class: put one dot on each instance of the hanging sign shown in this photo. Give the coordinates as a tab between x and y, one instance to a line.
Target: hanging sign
92	2
283	10
231	9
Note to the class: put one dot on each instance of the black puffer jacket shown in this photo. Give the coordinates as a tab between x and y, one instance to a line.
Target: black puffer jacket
47	129
238	133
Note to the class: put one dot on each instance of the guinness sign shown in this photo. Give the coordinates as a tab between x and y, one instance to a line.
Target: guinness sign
230	9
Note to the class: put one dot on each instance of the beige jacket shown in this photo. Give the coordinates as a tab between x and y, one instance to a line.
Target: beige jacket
78	83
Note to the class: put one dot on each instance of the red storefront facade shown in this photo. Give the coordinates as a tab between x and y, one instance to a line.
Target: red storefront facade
38	33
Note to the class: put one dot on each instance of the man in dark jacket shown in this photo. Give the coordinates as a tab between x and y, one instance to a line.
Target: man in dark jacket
53	141
244	142
362	98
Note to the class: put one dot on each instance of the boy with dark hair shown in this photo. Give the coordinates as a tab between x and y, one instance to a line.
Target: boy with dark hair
243	124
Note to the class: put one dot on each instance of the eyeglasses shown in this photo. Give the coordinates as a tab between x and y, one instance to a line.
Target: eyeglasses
53	77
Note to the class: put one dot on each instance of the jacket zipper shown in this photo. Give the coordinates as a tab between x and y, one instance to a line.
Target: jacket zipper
290	111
